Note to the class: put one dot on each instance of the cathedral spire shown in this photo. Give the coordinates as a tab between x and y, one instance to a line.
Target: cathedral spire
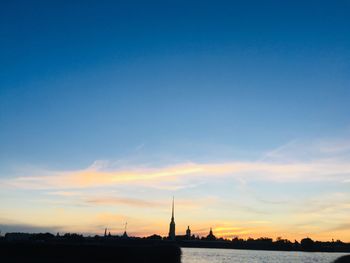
172	224
172	211
125	235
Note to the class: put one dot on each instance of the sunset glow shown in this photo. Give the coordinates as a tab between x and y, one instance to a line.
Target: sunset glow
240	111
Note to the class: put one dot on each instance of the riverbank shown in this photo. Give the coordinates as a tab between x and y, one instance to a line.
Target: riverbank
339	247
121	252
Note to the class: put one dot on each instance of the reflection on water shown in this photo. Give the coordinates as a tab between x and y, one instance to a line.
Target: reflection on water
205	255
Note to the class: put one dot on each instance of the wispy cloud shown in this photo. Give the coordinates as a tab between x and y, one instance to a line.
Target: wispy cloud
341	227
64	193
320	170
106	185
28	228
123	201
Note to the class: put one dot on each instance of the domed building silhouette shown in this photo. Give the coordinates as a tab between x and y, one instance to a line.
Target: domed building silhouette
211	235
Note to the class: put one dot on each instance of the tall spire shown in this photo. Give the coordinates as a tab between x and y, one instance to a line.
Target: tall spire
125	235
172	224
172	211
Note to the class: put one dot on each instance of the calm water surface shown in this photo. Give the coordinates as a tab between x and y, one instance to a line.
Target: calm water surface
209	255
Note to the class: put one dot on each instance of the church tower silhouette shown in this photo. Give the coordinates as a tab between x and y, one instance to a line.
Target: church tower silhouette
172	224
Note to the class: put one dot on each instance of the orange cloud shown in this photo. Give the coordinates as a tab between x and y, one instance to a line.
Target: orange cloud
123	201
93	177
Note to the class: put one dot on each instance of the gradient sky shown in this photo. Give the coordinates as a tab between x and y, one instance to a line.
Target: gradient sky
240	109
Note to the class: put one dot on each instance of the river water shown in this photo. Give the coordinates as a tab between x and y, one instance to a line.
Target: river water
209	255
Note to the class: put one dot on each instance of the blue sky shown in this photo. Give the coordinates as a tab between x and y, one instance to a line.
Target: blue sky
159	84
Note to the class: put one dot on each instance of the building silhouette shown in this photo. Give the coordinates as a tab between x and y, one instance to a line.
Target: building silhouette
125	235
211	235
188	232
172	234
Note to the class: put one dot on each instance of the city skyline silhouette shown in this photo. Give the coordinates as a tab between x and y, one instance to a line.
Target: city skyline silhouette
239	109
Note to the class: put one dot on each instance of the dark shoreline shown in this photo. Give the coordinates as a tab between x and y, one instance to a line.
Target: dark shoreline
327	247
90	252
108	251
45	247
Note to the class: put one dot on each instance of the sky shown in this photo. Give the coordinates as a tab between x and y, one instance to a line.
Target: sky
239	109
